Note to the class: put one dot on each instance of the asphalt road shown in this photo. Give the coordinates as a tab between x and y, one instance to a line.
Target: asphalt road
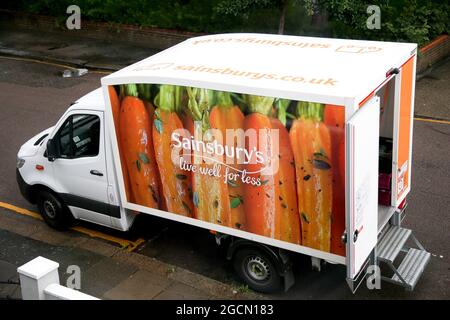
33	97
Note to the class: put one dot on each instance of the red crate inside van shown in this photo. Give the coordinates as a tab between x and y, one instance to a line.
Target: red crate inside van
384	189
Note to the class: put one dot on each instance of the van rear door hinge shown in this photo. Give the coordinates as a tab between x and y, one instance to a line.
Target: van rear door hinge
344	237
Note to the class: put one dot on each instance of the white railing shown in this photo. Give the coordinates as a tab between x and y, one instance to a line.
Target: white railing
39	280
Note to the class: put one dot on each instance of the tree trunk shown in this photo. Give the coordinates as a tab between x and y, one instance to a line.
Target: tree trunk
317	19
284	5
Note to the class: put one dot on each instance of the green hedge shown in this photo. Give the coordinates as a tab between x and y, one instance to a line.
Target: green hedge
401	20
416	21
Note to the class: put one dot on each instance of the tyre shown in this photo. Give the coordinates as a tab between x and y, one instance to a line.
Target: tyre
55	214
257	270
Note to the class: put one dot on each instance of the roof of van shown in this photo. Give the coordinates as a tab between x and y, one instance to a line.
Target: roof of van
93	101
302	68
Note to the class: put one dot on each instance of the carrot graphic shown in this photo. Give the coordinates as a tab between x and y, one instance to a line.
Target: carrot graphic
115	106
225	115
271	207
310	140
144	92
334	119
136	141
175	182
261	201
289	229
210	194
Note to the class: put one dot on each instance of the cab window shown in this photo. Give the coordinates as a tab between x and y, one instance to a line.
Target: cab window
79	136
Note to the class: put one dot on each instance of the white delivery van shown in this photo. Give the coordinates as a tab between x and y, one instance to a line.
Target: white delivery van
277	144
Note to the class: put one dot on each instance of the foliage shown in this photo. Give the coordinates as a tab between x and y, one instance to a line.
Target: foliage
401	20
243	7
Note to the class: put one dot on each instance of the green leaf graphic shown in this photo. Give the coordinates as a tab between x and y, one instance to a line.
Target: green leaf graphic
158	125
143	157
235	202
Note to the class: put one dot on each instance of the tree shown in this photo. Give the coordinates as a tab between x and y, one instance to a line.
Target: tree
244	7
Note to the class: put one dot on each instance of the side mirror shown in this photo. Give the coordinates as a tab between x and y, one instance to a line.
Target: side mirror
52	150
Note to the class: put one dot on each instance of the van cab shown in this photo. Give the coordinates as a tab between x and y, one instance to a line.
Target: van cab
81	160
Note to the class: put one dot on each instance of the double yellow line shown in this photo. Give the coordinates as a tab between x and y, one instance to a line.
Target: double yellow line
432	120
51	64
123	243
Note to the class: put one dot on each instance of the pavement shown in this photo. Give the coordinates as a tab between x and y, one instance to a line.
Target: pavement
176	261
436	81
74	51
107	271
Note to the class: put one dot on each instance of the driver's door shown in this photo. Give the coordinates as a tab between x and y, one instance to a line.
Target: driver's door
80	169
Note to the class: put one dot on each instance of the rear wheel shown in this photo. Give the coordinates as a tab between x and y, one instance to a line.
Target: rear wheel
55	214
257	270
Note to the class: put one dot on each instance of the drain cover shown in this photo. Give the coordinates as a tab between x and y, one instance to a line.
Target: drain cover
74	73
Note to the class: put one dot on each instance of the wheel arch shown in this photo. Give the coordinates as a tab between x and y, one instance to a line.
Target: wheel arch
280	260
37	188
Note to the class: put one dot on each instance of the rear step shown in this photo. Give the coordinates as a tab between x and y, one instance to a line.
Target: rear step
412	268
413	264
392	243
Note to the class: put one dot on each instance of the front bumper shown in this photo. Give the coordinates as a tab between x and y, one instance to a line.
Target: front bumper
25	188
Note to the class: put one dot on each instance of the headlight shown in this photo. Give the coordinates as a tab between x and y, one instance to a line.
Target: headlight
20	163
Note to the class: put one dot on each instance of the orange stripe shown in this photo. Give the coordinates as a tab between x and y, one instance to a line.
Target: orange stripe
405	121
366	98
407	61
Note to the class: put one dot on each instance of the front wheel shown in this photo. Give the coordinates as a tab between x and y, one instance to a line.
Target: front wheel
257	270
53	211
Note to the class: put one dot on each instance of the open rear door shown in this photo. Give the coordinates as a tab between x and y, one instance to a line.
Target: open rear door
362	133
403	124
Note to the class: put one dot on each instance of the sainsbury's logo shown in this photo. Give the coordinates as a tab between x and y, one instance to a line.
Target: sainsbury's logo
244	152
247	74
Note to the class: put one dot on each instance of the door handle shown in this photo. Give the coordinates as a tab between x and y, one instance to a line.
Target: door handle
96	173
355	236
